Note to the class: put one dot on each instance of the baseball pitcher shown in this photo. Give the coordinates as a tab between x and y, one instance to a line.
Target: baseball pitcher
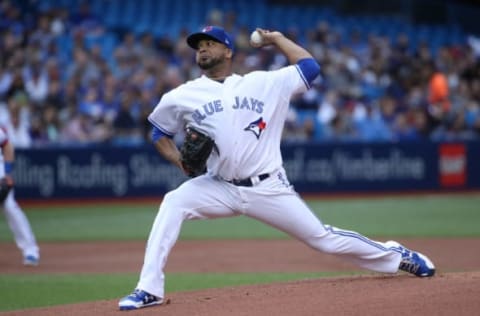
233	126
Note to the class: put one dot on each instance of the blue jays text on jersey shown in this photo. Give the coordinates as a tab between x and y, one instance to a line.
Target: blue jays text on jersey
215	106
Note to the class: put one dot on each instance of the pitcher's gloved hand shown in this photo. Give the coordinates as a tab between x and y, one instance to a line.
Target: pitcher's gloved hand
195	151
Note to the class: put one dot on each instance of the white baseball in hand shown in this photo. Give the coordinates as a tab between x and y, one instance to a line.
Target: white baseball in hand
256	38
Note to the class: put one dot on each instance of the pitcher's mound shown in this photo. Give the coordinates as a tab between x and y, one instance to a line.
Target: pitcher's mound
445	294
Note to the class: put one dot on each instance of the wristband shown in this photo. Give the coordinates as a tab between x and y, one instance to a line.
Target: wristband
8	167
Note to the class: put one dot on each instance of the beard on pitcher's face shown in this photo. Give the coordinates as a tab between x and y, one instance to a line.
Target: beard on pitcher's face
208	62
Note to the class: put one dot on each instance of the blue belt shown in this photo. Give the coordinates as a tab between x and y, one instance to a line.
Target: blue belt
249	182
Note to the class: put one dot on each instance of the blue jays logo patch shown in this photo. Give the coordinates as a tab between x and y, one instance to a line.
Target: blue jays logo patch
256	127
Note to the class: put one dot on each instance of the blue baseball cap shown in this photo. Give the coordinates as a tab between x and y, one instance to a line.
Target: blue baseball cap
215	33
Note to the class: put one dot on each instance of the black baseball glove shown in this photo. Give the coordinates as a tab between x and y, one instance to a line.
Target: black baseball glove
195	151
5	187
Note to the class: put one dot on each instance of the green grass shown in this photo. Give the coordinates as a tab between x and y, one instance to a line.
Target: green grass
426	216
412	216
418	216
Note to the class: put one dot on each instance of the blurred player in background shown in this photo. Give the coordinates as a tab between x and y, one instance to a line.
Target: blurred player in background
16	219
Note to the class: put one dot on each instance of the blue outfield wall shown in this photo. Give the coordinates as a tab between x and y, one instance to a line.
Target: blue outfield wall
106	172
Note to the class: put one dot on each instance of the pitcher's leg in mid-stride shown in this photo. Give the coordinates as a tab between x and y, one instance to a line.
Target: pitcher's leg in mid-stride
290	214
212	203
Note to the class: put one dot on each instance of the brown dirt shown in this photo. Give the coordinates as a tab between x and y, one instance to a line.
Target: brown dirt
453	291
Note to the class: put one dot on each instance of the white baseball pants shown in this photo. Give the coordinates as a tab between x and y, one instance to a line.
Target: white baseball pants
273	202
20	227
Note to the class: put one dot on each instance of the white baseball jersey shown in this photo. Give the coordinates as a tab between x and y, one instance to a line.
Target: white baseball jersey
249	140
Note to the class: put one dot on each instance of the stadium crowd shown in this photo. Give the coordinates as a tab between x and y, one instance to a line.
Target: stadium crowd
371	88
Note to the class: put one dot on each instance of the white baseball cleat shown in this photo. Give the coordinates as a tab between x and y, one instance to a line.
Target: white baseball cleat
31	261
414	262
139	299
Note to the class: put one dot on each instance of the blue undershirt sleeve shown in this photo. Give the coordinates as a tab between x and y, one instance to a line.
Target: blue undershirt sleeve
157	134
309	68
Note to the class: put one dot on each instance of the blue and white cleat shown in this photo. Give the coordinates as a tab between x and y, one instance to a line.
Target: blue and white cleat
31	261
414	262
138	299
